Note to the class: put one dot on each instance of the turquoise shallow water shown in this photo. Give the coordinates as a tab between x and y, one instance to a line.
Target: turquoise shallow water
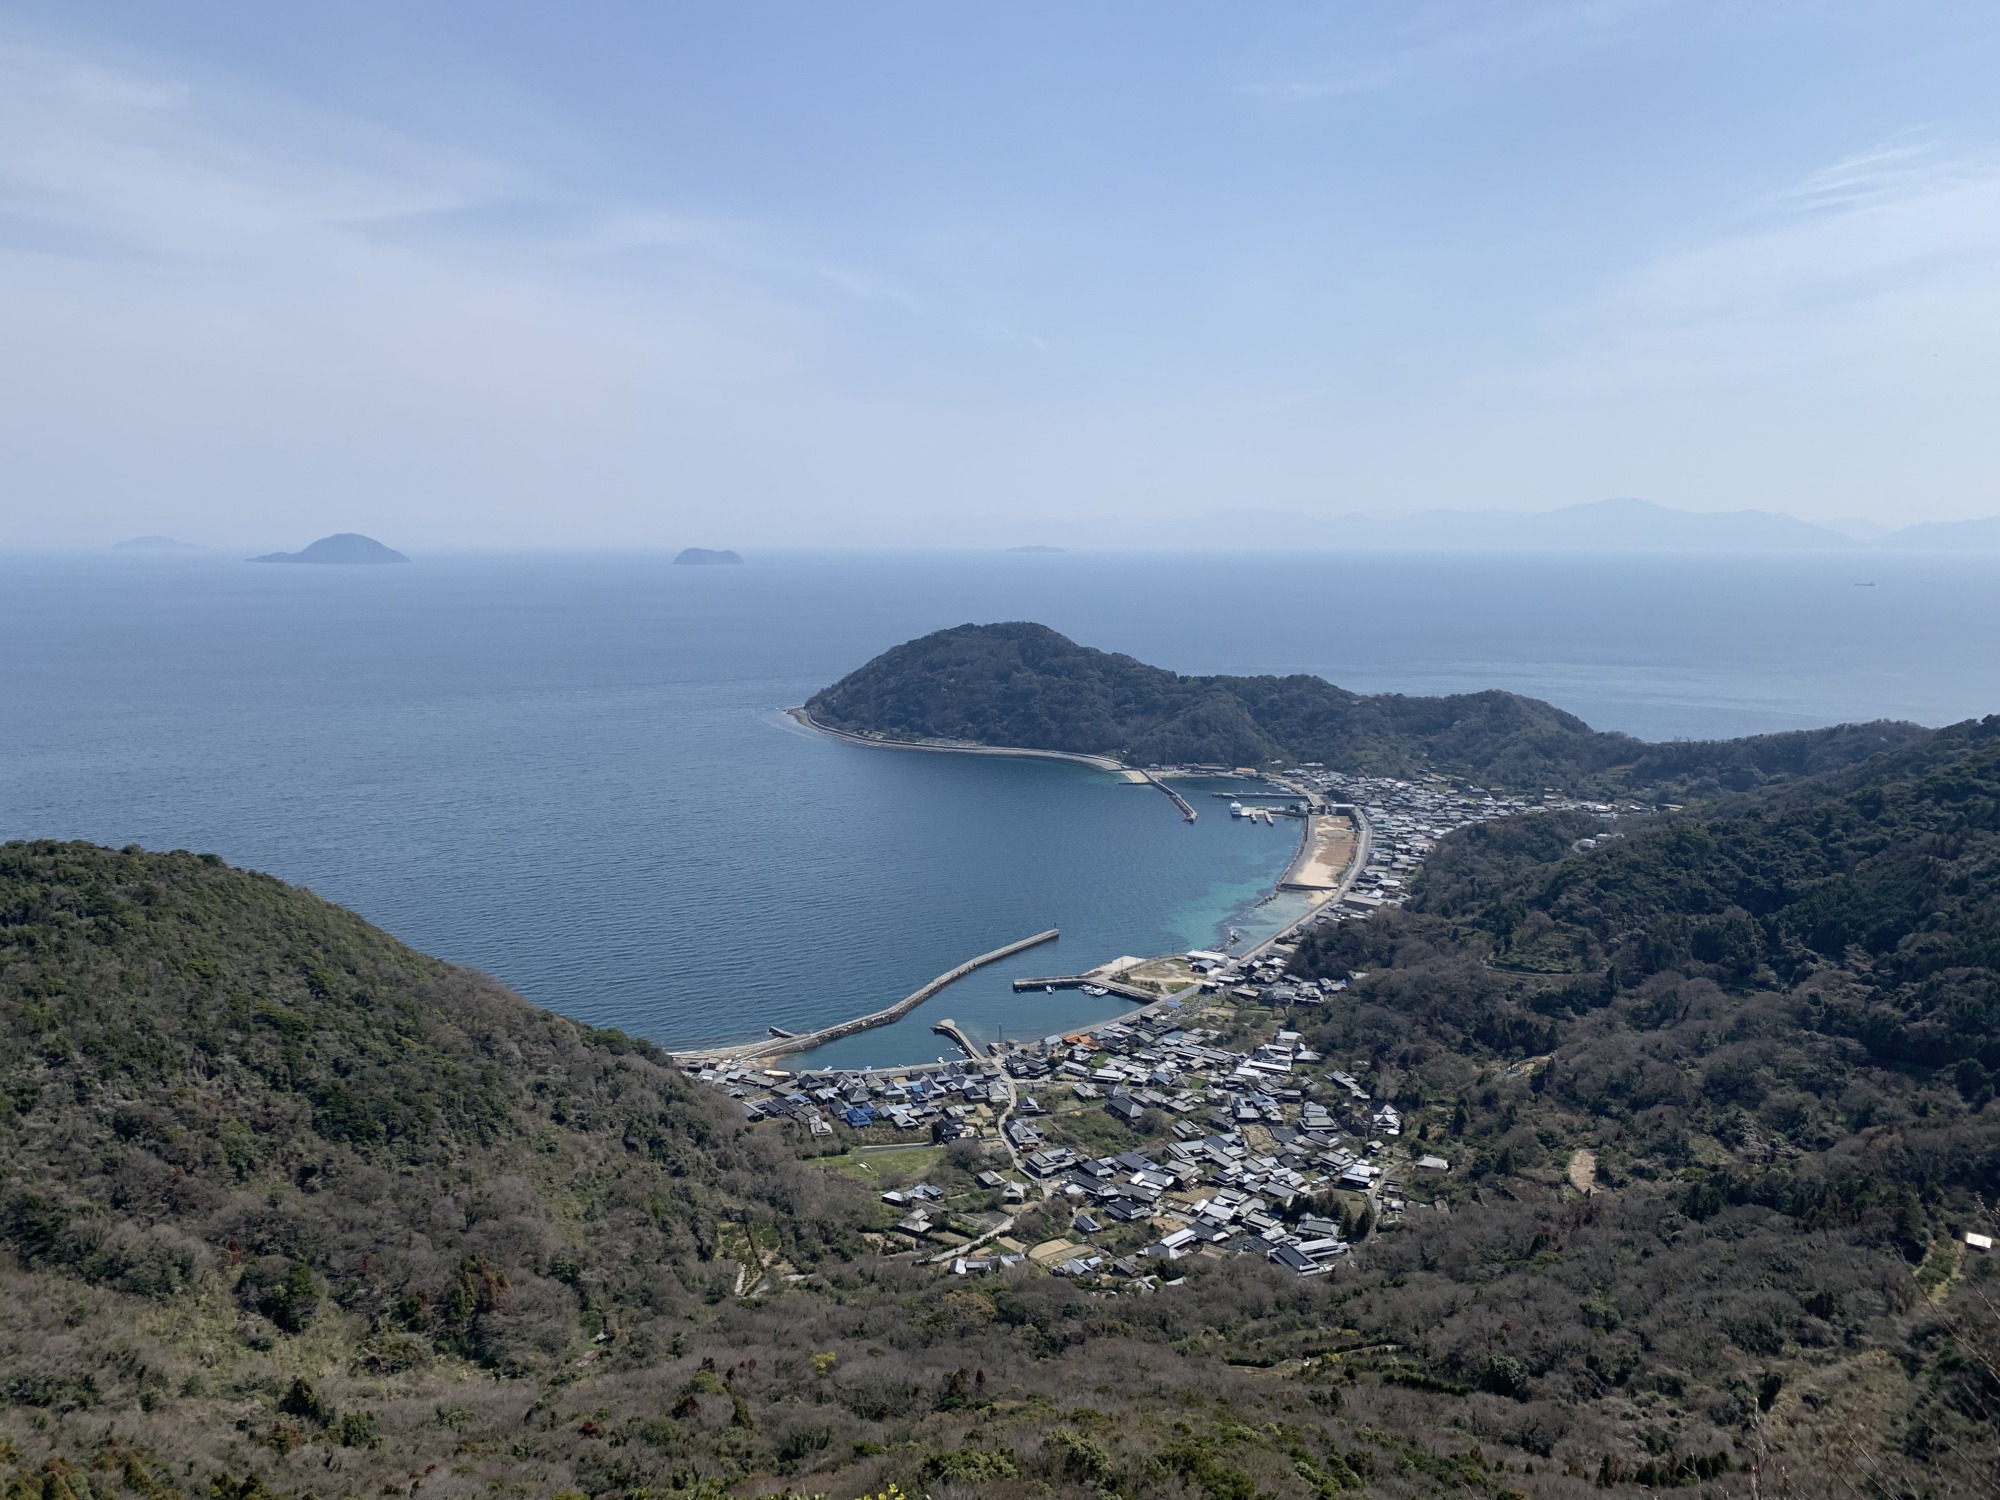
573	771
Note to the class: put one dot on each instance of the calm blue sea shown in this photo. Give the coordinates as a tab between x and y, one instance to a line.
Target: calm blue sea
572	771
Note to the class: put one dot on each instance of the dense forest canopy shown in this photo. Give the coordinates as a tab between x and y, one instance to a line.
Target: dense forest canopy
197	1057
1024	685
1780	1013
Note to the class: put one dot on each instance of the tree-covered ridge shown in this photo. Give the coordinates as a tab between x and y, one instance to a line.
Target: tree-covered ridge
209	1077
1024	685
1778	1015
1883	898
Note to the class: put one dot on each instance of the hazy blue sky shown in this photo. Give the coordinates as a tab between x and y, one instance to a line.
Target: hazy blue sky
740	273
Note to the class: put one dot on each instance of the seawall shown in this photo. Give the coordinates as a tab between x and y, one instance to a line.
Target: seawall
806	1041
958	747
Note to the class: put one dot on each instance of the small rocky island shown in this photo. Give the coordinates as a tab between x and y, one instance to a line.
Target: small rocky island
703	557
342	547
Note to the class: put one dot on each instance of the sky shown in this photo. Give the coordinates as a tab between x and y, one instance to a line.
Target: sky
654	274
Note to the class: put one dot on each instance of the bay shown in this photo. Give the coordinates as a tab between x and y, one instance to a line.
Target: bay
573	770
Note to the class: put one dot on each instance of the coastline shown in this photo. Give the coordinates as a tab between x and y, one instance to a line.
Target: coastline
1320	897
965	747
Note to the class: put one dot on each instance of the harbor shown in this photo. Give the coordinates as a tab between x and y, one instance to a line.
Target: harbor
1337	872
1228	1134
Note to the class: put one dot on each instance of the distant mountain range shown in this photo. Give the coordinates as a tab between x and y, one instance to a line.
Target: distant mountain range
1596	526
1956	536
705	557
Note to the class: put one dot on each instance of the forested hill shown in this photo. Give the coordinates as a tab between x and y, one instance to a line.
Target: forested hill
196	1057
1781	1014
1875	904
246	1137
1024	685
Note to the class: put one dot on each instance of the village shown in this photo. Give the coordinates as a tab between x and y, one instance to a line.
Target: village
1202	1124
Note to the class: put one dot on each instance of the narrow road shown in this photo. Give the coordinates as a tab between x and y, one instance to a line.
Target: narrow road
1014	1157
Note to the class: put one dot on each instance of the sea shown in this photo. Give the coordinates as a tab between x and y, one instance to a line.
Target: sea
574	771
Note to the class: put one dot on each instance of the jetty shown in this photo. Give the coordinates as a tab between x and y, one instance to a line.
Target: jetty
1078	981
950	1028
807	1040
1186	807
966	747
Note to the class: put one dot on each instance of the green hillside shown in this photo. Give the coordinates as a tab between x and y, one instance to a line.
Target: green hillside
1778	1021
197	1057
1024	685
291	1210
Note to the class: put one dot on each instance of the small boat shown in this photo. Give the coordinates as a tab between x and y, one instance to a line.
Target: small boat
1048	989
1095	990
1236	809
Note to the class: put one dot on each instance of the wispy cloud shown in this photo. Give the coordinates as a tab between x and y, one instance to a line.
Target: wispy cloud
1876	223
207	291
1365	49
1831	346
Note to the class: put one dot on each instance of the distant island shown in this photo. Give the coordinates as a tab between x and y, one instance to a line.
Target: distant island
704	557
346	547
151	544
1034	547
1023	685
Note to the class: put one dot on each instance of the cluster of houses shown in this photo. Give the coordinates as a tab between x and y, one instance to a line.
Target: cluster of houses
1258	1138
1253	1143
1406	819
945	1099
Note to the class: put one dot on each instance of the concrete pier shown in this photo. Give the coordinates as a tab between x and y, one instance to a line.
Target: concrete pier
1186	807
806	1041
950	1028
1078	981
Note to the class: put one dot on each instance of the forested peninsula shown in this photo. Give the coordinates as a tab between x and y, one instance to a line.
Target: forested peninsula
289	1209
1021	684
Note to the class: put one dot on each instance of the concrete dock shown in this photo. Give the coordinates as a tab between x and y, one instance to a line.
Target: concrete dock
806	1041
1078	981
1186	807
950	1028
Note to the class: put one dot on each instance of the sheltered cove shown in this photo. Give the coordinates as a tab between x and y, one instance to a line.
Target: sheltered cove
1327	827
1236	1141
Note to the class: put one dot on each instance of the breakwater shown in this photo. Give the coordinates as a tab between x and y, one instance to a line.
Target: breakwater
1186	807
806	1041
967	747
